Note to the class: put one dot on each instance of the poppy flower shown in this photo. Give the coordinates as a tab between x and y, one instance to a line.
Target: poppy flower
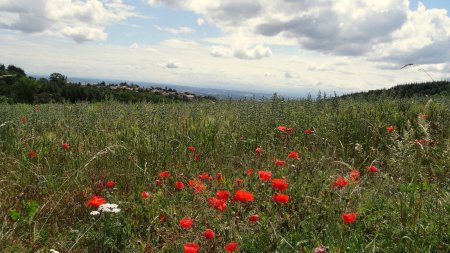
218	204
253	218
164	174
191	149
205	176
198	186
239	181
340	182
249	172
191	247
145	195
372	168
186	223
110	184
354	175
197	157
243	196
281	198
264	175
179	185
32	154
282	128
349	217
96	201
258	150
289	130
223	194
390	128
280	184
158	182
308	131
163	217
209	233
230	247
219	177
65	146
293	155
280	162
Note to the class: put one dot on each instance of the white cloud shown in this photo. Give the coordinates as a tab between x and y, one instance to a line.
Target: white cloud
134	46
200	21
180	44
221	52
79	20
175	31
255	53
173	64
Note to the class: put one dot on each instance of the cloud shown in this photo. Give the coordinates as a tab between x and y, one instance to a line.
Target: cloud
79	20
200	21
180	44
221	52
257	52
175	31
134	46
174	64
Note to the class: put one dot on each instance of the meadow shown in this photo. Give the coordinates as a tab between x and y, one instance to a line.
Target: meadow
325	175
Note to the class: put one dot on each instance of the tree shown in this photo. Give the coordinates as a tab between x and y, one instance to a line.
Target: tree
15	70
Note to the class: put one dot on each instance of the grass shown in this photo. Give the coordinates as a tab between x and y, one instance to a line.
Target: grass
404	207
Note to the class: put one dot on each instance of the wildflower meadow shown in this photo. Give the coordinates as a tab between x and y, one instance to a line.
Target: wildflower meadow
324	175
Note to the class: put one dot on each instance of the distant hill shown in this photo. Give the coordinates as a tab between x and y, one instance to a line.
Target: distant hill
17	87
405	91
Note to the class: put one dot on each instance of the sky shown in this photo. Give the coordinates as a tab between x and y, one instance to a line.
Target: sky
285	46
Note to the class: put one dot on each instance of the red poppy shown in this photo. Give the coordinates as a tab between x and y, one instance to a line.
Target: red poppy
354	175
223	194
239	181
198	185
390	128
243	196
340	182
96	201
110	184
192	149
65	146
209	233
205	175
219	177
264	175
372	168
349	217
289	130
190	247
145	195
158	182
249	172
230	247
279	184
197	157
179	185
258	150
186	223
253	218
32	154
281	128
163	217
308	131
293	155
280	162
218	204
164	174
281	198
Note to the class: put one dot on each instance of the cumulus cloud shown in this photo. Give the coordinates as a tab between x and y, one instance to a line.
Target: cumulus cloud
180	44
221	52
79	20
134	46
174	64
255	53
200	21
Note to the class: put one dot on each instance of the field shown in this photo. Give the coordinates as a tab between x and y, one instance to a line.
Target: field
351	176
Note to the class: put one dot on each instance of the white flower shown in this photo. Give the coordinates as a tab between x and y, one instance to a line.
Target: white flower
53	251
95	213
115	210
109	208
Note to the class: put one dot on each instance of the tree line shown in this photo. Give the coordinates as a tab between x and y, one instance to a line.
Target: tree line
17	87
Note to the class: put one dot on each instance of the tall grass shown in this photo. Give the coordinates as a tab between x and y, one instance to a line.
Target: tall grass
403	208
